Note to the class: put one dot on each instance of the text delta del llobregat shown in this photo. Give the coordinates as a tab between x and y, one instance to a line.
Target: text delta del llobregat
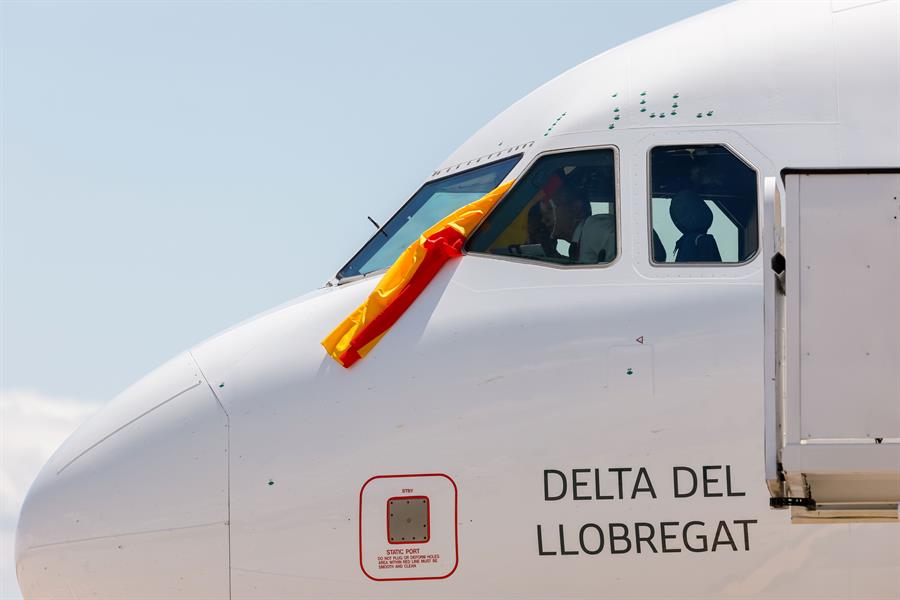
627	483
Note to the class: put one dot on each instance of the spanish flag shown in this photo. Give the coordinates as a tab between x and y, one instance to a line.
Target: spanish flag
410	274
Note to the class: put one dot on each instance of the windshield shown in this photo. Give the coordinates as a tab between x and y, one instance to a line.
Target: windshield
434	201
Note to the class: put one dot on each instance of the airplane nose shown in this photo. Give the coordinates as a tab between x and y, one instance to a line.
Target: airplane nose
135	502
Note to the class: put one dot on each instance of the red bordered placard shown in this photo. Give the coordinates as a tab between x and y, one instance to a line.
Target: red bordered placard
455	524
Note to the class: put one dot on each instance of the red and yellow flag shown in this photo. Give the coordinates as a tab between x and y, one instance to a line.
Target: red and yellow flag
410	274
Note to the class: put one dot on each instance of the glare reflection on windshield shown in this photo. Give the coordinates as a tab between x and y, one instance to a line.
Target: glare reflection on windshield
434	201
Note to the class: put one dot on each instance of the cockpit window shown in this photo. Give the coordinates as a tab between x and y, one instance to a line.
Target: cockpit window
563	211
434	201
703	206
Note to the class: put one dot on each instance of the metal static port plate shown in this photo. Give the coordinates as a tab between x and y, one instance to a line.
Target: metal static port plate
408	520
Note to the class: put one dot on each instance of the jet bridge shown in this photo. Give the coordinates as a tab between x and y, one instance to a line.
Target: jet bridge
833	344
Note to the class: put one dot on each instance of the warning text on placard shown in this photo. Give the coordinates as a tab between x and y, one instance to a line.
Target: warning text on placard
406	558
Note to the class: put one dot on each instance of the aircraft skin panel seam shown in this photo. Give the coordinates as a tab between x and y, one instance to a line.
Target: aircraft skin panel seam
126	534
131	422
227	462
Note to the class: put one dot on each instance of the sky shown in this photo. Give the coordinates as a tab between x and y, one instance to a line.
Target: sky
170	168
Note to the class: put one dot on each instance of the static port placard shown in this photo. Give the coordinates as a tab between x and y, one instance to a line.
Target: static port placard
408	527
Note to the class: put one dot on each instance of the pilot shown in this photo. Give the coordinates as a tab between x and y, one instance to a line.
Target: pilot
541	217
693	218
595	239
592	238
540	228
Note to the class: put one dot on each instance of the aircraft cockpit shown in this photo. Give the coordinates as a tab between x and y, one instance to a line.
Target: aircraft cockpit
563	211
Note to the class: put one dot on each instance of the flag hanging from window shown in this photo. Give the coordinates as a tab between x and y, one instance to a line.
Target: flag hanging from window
410	274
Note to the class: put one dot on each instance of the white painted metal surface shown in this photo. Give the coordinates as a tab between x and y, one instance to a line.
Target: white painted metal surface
140	488
505	372
842	406
849	295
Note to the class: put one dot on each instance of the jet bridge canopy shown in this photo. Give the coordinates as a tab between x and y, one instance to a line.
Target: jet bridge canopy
835	307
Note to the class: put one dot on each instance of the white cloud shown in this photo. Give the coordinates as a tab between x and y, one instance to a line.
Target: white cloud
32	426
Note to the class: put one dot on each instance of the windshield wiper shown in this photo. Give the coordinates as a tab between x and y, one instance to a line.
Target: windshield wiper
378	227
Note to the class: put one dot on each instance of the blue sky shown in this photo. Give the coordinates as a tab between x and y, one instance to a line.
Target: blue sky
168	169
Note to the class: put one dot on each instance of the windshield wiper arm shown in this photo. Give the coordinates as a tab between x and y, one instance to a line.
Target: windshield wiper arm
378	227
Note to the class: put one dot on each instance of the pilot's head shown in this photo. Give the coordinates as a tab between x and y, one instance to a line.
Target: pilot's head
689	213
569	207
